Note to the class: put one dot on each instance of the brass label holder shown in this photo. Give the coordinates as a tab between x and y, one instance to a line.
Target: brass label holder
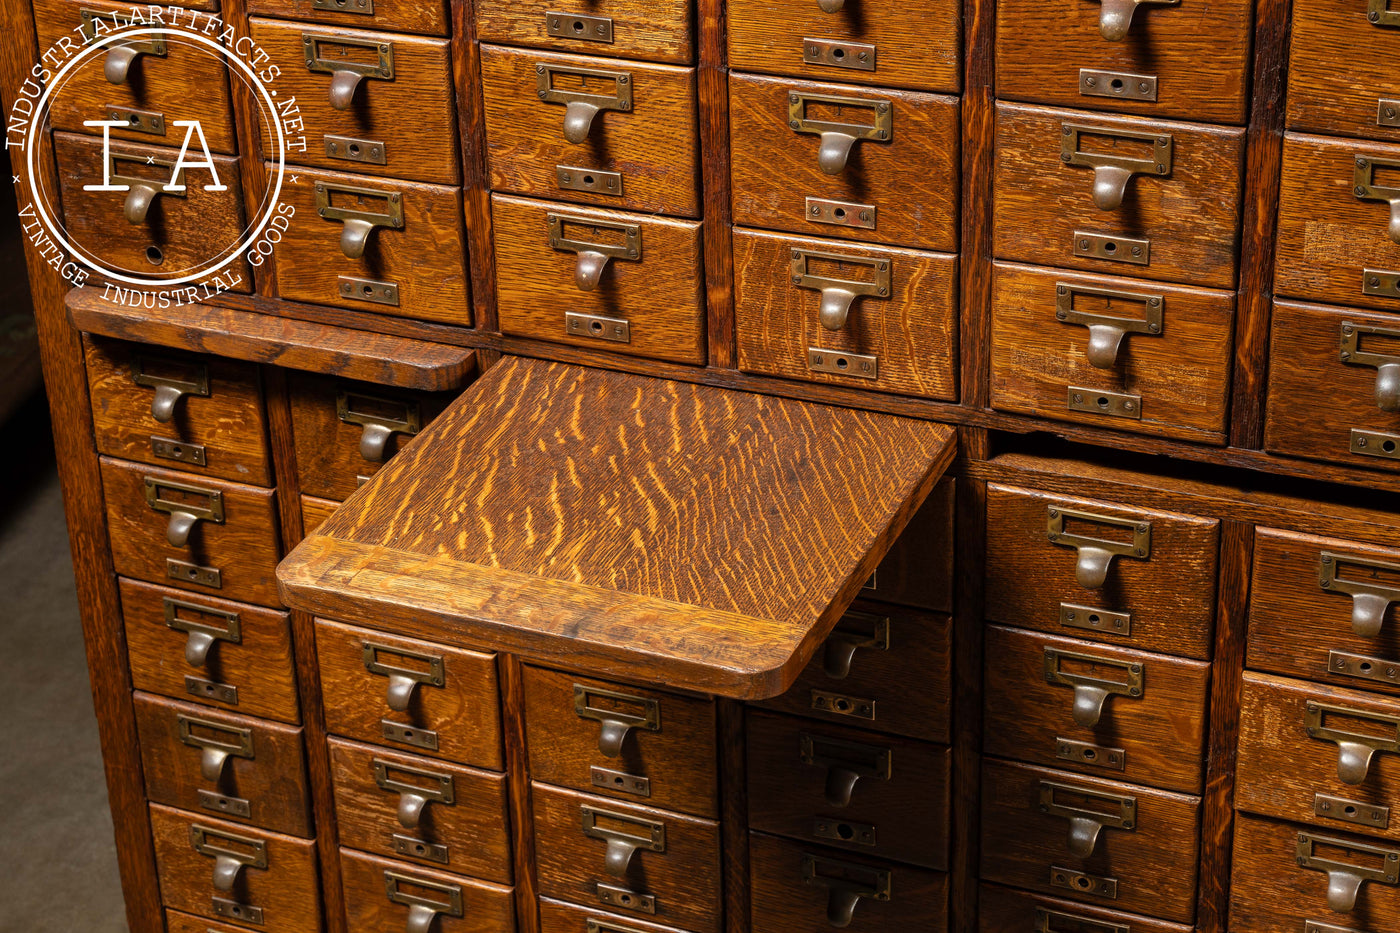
855	631
580	107
837	295
846	763
403	681
422	910
1387	365
1107	331
414	796
1112	172
1379	13
234	742
838	138
370	413
846	884
1087	825
143	191
593	257
201	636
1365	188
1047	921
229	860
184	514
169	389
346	75
1370	601
617	713
1090	693
121	55
359	222
1344	880
622	846
1096	555
1355	749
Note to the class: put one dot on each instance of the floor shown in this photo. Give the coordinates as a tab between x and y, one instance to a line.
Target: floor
58	864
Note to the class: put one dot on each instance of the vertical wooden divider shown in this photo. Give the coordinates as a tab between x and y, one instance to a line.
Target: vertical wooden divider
975	241
713	84
522	829
734	815
476	181
252	171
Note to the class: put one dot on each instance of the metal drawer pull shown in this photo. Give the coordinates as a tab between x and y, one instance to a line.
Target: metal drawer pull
414	798
215	751
1380	13
1090	693
116	68
346	74
622	845
830	6
837	294
201	636
1086	825
169	389
580	106
845	763
229	862
1365	188
846	884
614	716
593	256
1354	749
371	413
422	910
1387	365
1112	172
856	630
1096	554
837	139
1117	15
359	222
1344	880
144	191
1370	601
403	681
1046	921
184	515
1106	331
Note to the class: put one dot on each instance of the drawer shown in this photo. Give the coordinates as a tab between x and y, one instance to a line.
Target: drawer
827	785
836	160
192	532
230	655
1328	408
391	896
813	310
315	511
880	668
345	431
1097	709
450	818
650	864
144	230
1162	600
1288	877
1358	99
431	18
559	917
655	31
242	769
408	694
1115	353
176	922
1084	190
1335	244
798	888
224	871
863	43
375	244
1003	909
203	414
1319	755
597	130
1184	61
188	82
550	258
391	113
918	568
1347	632
632	743
1138	846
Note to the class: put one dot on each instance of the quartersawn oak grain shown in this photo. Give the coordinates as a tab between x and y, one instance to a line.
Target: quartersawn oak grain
1006	909
314	511
561	544
1339	69
641	29
423	16
486	908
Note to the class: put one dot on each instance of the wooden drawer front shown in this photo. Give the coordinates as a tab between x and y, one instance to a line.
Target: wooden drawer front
381	895
882	668
1118	353
801	887
558	917
656	31
1319	755
653	305
632	743
242	769
1322	406
430	18
224	871
315	511
918	570
1150	868
915	45
243	653
1271	891
826	785
1165	600
345	431
407	123
446	698
235	558
650	864
203	414
412	262
904	341
1341	77
1334	244
543	137
1183	225
906	180
1002	909
189	82
145	231
1095	709
1185	61
176	922
405	806
1347	632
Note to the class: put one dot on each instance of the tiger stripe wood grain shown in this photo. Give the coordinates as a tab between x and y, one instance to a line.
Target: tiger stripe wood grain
1339	69
641	29
429	17
486	908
